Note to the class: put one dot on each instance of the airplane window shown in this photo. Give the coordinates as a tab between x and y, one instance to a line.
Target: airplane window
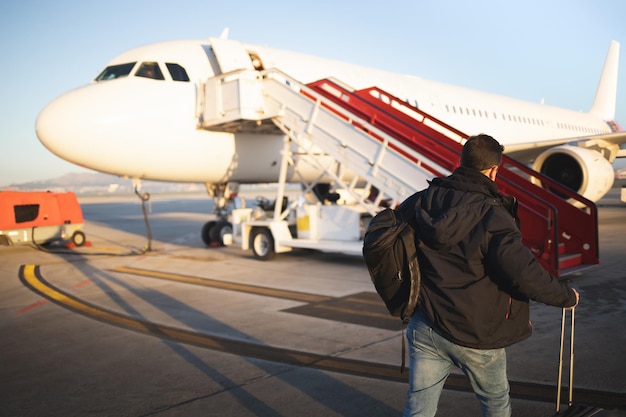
115	71
257	64
177	72
150	70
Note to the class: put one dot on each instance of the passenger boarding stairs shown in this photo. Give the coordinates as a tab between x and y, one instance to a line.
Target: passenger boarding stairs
390	150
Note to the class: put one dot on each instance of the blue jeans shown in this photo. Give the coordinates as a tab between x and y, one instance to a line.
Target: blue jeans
432	359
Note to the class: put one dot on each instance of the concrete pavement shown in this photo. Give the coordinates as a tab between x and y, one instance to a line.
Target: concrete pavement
184	330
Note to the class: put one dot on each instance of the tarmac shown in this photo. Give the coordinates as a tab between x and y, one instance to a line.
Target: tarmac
109	329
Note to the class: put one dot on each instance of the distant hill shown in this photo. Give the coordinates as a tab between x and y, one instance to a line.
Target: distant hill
99	183
96	183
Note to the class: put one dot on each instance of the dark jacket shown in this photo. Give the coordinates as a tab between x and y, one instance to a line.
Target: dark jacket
477	276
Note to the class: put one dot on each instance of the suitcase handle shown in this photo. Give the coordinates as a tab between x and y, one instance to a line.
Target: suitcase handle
571	360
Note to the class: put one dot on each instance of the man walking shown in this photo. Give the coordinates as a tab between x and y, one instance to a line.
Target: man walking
477	279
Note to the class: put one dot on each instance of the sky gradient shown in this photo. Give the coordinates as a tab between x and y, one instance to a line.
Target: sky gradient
533	50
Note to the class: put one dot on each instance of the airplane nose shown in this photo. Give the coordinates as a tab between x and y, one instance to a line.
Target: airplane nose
59	127
135	127
90	126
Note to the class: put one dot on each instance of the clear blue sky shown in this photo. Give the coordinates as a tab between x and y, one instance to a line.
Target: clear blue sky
534	49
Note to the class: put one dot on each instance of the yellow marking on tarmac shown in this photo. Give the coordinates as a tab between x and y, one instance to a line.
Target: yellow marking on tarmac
351	311
363	301
232	286
32	278
252	289
112	249
194	258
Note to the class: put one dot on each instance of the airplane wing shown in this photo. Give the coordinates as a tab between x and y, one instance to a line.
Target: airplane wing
528	152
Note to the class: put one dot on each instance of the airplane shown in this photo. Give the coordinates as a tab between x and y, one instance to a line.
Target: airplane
139	119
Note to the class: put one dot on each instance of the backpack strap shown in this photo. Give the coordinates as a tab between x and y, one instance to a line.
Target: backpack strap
408	239
415	276
415	280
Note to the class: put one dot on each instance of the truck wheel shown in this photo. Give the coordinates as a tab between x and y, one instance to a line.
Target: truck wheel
78	238
221	228
206	232
262	244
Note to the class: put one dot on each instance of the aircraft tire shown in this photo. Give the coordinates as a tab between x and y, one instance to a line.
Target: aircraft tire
206	232
262	243
217	232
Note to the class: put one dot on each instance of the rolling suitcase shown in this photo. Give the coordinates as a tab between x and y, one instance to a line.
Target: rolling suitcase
573	409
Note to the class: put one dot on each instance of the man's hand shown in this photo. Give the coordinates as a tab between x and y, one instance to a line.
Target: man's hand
577	298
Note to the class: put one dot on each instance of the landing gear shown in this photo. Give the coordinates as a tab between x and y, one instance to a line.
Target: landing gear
206	232
214	232
220	231
144	197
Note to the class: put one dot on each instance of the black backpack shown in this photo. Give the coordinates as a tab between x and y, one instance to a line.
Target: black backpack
391	257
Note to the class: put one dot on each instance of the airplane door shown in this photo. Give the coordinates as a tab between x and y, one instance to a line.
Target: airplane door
230	55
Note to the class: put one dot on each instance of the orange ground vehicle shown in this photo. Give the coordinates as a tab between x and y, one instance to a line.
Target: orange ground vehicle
40	217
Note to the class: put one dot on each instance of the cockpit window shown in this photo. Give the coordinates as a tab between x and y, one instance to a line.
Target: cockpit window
115	71
177	72
150	70
256	61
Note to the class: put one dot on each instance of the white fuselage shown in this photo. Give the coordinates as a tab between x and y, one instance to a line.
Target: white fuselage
148	128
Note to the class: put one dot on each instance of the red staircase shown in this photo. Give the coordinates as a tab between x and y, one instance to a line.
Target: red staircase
557	224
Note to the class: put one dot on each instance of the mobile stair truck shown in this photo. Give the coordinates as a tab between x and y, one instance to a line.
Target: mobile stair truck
40	217
381	151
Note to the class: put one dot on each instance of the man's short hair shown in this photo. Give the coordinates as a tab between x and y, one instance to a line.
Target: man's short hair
481	152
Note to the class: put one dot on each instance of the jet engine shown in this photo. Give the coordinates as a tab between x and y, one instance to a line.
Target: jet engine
582	170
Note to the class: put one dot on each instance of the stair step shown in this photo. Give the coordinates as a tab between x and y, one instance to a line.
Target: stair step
570	260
